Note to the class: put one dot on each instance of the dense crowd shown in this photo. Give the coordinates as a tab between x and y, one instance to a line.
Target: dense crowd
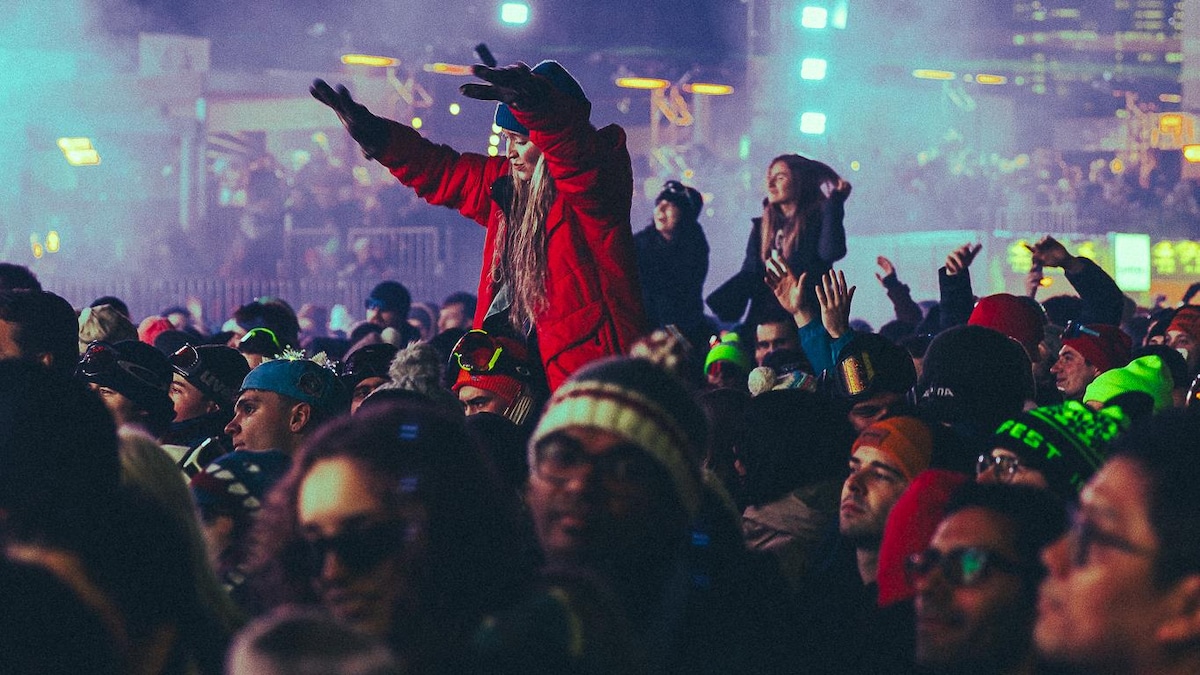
587	467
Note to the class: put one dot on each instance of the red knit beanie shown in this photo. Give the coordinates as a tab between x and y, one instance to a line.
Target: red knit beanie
910	526
1018	318
1187	319
1107	351
503	386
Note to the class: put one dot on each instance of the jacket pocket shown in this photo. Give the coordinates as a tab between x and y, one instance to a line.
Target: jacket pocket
576	338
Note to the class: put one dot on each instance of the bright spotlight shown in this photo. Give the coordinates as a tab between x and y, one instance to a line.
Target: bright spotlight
514	13
417	123
812	123
455	108
1191	153
813	69
814	17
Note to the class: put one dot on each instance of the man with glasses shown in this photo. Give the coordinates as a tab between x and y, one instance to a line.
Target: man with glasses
613	490
976	585
1122	593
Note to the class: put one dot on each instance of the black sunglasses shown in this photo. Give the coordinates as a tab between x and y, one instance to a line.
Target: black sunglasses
965	566
358	550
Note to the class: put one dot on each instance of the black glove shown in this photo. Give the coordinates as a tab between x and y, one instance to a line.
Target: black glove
367	129
513	85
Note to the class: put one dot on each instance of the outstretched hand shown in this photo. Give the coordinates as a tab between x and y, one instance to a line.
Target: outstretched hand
788	288
961	258
514	85
886	270
835	299
367	129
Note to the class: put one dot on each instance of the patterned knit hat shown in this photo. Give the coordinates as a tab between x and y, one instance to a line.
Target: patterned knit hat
1187	319
641	403
1147	374
236	485
1066	442
907	440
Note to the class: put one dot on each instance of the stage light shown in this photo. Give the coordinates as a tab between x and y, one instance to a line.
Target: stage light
447	69
1170	123
52	241
990	79
368	60
642	83
1192	153
79	151
1170	98
814	17
417	123
494	139
855	165
514	13
812	123
708	89
455	108
928	74
493	151
813	69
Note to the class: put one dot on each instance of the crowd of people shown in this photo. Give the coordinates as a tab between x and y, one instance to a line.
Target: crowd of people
579	469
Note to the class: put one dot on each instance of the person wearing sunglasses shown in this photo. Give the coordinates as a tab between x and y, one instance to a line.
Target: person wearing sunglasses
977	582
133	379
392	522
558	255
1122	593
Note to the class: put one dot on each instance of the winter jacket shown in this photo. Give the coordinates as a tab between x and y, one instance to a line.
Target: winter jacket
593	303
672	273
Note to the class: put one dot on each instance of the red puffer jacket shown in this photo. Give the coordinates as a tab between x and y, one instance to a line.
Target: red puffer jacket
593	298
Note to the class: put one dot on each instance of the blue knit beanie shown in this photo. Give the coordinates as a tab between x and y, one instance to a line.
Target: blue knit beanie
562	81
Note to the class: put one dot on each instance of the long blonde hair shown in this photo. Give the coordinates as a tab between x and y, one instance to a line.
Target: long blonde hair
520	257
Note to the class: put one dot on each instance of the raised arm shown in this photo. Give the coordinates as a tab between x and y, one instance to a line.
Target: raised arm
1101	298
954	286
906	310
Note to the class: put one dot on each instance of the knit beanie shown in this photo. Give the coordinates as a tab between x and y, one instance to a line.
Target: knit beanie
910	527
133	369
418	368
1147	374
1019	318
153	326
558	77
365	362
216	370
729	348
906	440
106	323
871	364
687	199
1106	350
974	376
1066	442
1187	319
236	485
301	379
642	404
390	296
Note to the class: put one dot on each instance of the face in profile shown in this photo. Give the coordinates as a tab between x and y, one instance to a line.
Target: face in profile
522	154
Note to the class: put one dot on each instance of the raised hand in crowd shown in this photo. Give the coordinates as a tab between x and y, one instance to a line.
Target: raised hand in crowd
835	298
788	288
367	129
1049	252
514	85
1034	280
961	258
887	271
